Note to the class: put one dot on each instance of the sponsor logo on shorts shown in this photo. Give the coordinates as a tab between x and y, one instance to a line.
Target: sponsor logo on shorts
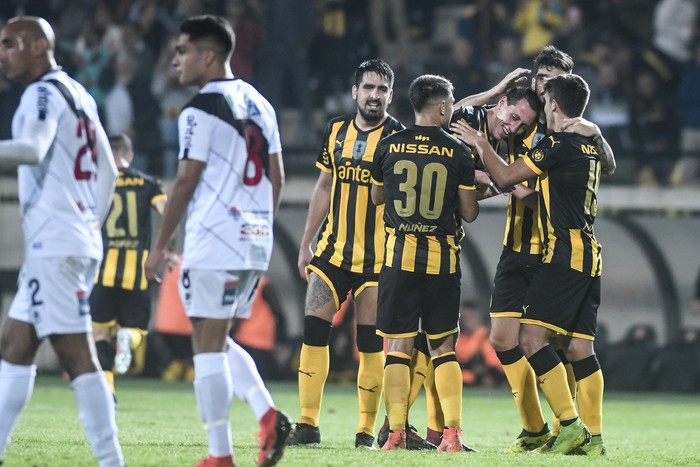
229	297
83	303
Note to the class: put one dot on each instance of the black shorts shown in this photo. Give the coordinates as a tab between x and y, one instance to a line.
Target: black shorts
514	274
128	308
563	300
407	298
341	281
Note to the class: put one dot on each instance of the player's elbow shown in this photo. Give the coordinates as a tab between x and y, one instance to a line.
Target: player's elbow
470	212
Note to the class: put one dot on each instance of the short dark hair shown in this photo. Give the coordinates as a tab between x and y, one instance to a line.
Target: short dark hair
211	28
379	67
519	93
551	57
120	142
426	88
571	93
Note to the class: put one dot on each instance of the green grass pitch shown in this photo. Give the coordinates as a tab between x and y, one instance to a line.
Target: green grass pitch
159	426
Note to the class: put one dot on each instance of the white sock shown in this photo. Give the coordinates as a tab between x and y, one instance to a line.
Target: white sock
97	415
16	384
248	386
212	386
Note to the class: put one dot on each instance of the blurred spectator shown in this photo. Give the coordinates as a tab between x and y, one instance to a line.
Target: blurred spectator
244	16
480	365
390	32
674	29
166	88
609	108
539	22
687	170
265	330
90	58
677	365
118	108
10	94
146	108
508	58
462	66
288	29
146	13
653	128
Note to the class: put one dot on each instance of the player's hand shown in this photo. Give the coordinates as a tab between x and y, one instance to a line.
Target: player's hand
171	259
153	262
484	180
466	133
581	126
514	78
305	256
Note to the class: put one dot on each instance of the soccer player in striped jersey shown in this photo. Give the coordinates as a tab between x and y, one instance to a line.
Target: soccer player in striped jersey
348	253
425	179
522	253
229	182
564	295
120	300
66	178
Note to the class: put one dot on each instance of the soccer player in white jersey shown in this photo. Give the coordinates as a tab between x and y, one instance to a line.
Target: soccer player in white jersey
229	181
66	179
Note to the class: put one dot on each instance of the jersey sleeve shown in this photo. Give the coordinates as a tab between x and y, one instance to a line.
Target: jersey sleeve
377	173
270	127
545	156
467	179
40	102
195	132
156	192
323	161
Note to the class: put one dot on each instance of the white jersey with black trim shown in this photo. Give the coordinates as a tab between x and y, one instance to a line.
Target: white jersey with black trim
58	197
232	128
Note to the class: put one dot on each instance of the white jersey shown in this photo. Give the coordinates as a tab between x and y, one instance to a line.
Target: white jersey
58	197
232	128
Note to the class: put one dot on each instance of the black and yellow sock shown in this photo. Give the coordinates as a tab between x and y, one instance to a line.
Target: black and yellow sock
105	355
571	381
551	376
314	363
448	382
370	376
420	360
523	385
397	384
436	419
590	393
138	350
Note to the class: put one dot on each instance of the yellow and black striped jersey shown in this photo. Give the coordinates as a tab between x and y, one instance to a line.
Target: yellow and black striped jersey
568	167
475	117
126	234
422	170
352	235
522	228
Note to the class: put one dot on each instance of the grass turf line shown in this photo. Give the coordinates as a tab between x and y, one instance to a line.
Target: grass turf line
159	425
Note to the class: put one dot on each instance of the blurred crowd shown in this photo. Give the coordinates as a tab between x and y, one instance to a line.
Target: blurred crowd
640	57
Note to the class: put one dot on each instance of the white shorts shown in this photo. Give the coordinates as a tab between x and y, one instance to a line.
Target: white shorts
218	294
53	295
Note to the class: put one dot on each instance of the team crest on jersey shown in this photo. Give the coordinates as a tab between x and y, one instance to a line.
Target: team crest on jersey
83	302
359	149
230	288
538	155
250	108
